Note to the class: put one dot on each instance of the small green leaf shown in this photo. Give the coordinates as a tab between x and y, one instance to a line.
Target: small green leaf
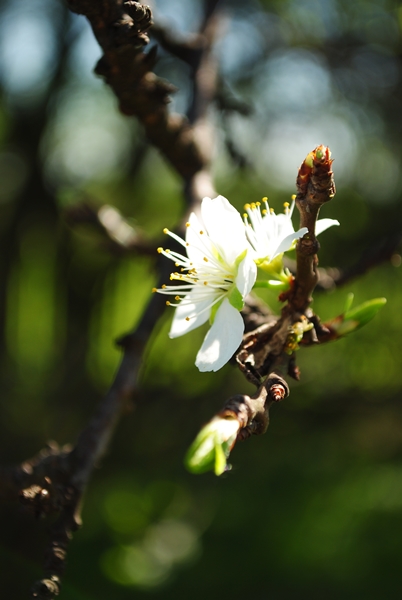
319	153
214	310
309	160
347	327
240	257
348	302
366	311
236	299
356	317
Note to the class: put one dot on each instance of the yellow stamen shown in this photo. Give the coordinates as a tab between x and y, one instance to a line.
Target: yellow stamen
167	303
293	197
245	215
166	230
164	286
187	224
247	207
205	282
205	258
258	203
264	211
187	318
154	290
177	298
201	232
271	210
160	250
265	199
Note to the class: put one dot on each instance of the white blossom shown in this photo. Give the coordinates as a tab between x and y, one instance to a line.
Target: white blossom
213	280
271	235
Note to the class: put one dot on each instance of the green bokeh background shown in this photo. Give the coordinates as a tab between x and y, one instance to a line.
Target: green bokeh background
311	510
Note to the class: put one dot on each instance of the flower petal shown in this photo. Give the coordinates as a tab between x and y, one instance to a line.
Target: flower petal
197	247
189	309
324	224
246	275
222	340
225	227
287	242
284	225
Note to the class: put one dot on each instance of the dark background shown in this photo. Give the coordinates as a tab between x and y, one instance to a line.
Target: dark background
314	508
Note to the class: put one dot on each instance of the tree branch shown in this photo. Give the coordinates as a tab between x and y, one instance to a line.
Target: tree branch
315	186
54	481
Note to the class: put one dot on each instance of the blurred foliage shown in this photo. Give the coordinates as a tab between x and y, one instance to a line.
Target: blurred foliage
314	508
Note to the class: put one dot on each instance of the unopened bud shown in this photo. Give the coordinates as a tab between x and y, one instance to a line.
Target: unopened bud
212	446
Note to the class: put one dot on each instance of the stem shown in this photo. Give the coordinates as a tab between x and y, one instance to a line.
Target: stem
315	186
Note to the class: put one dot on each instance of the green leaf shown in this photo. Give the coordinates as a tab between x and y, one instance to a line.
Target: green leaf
348	302
214	310
366	311
240	257
357	317
319	154
236	299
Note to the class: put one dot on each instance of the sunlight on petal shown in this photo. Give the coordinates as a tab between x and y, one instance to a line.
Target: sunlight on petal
324	224
246	275
287	242
180	324
222	340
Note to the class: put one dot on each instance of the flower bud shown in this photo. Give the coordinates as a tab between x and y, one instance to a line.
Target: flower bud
212	446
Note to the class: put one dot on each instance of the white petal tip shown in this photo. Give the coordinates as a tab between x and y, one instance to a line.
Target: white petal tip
323	224
205	368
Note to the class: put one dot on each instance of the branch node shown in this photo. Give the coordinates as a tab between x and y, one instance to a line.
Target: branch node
46	589
141	13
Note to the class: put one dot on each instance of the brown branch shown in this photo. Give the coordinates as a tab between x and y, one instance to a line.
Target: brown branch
252	412
121	33
48	462
186	48
119	235
55	480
